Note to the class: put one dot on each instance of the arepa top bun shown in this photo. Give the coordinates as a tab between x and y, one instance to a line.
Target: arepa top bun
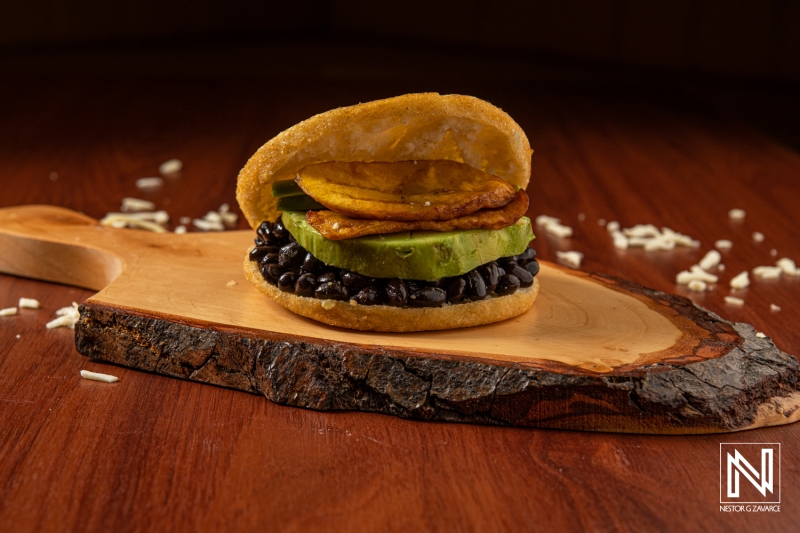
422	126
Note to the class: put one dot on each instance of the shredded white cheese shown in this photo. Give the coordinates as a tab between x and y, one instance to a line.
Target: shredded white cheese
207	225
620	240
571	258
697	285
768	272
95	376
180	230
29	303
612	226
733	300
723	244
170	167
736	214
149	183
67	317
721	267
554	226
710	260
740	281
8	311
758	236
774	308
695	273
788	266
128	220
228	217
135	204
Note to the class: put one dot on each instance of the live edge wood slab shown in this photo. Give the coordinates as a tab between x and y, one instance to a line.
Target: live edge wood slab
595	353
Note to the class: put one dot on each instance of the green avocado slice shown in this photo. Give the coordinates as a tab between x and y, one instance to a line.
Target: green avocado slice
423	255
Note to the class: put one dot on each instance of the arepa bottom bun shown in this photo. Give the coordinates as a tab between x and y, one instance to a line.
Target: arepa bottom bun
348	314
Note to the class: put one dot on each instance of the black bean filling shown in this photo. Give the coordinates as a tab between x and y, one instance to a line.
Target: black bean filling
287	265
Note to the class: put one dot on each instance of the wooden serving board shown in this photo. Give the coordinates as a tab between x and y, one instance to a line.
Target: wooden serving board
594	353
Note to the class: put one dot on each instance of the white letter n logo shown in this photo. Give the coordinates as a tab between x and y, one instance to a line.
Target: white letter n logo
762	482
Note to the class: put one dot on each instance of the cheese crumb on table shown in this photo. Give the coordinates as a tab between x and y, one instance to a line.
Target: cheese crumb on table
601	222
29	303
571	258
554	226
788	266
95	376
774	308
733	300
149	183
180	230
723	244
736	214
741	281
758	236
773	252
8	311
768	272
67	317
170	167
710	260
697	285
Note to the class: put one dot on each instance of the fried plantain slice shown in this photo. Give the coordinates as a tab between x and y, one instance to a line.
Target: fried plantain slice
337	226
404	190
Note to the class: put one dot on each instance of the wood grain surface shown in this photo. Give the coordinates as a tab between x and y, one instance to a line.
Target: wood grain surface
151	453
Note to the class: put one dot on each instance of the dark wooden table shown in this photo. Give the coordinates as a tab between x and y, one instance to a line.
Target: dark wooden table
152	453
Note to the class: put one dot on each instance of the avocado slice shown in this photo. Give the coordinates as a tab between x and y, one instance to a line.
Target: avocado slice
422	255
286	188
302	202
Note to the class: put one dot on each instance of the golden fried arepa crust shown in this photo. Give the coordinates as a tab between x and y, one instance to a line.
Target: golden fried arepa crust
424	126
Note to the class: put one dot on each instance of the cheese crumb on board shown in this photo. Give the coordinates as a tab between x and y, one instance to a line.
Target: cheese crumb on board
135	204
741	281
581	216
29	303
8	311
231	283
572	258
774	308
149	183
723	244
612	226
721	267
710	260
601	222
127	220
180	230
773	252
736	214
697	285
170	167
96	376
767	272
733	300
760	335
185	220
758	236
207	225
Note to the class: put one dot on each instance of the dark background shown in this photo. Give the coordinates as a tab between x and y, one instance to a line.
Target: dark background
740	57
